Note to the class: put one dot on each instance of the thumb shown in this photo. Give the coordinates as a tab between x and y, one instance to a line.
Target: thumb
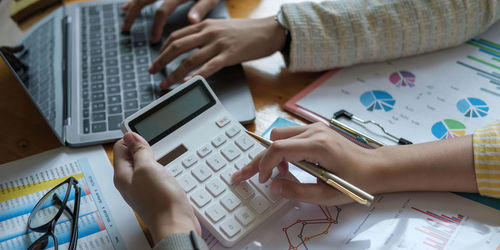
139	149
200	10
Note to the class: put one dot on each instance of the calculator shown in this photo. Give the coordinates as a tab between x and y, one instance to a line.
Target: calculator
202	145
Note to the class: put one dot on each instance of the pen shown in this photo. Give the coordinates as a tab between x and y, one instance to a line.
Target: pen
343	186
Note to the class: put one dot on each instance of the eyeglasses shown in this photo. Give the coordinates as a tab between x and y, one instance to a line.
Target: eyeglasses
49	209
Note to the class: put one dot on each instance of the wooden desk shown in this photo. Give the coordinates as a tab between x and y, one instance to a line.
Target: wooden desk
270	82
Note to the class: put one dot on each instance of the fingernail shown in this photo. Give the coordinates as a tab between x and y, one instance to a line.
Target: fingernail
151	69
129	138
187	78
164	84
261	178
277	188
195	17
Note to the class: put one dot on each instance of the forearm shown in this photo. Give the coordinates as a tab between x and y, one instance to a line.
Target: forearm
341	33
446	165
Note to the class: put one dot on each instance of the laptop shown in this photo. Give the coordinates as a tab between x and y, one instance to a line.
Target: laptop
85	76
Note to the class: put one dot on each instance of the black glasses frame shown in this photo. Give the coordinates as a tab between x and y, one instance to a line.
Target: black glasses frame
48	228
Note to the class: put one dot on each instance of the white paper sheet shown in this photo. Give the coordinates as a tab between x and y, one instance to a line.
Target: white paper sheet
105	221
423	98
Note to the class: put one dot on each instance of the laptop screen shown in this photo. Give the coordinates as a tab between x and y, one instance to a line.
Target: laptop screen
37	63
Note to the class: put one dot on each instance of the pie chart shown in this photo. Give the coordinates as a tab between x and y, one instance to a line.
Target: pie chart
377	100
447	129
473	107
402	79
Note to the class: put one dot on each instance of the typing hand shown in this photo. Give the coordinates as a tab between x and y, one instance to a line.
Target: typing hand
134	7
150	190
318	144
221	43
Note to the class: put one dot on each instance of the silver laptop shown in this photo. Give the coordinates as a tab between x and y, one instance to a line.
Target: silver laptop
85	76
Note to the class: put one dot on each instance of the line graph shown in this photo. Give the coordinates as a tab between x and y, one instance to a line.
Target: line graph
302	226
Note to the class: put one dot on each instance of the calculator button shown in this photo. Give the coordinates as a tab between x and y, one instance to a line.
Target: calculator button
259	203
215	212
200	197
244	142
254	152
204	151
189	161
230	152
244	215
234	130
239	164
215	187
230	228
264	188
187	182
219	140
201	172
227	175
216	162
244	189
230	201
222	122
175	170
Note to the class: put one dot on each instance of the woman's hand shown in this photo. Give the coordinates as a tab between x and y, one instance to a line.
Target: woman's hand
134	7
150	190
220	43
317	144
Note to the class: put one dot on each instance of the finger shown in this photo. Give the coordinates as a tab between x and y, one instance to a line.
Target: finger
287	132
134	10
189	64
283	168
122	162
200	10
174	50
249	170
212	66
161	16
318	193
290	150
139	149
178	34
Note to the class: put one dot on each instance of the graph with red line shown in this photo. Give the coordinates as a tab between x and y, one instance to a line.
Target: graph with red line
303	230
439	228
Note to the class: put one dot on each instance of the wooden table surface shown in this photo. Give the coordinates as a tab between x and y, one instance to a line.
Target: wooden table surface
270	82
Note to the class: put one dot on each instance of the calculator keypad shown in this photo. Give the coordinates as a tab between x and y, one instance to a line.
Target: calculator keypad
205	174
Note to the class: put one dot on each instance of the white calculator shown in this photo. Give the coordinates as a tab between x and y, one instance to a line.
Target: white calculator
202	145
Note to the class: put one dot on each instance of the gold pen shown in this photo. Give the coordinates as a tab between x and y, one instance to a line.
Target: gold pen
343	186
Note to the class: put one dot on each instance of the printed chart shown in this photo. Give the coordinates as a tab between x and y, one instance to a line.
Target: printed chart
18	202
377	100
402	79
448	129
473	107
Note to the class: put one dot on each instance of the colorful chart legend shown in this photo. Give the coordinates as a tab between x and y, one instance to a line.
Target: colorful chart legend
447	129
402	79
473	107
377	100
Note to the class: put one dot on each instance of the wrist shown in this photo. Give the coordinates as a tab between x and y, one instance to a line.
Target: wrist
279	33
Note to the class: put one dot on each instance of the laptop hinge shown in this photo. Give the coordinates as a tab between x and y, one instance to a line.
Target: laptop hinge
65	22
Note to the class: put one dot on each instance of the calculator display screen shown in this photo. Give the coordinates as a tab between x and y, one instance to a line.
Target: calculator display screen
173	112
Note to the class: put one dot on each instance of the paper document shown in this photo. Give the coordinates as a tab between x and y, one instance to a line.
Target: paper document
434	96
105	220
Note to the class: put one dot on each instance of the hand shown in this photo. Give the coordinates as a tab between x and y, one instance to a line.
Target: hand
150	190
134	7
221	43
318	144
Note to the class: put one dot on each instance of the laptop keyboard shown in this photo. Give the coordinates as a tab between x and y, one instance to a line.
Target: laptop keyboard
114	80
39	79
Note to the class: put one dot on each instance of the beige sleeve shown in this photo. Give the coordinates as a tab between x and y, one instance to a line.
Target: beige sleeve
345	32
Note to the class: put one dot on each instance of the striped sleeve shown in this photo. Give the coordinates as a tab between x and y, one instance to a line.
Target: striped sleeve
345	32
486	144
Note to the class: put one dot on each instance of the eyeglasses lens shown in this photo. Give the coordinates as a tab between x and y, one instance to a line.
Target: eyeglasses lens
47	209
